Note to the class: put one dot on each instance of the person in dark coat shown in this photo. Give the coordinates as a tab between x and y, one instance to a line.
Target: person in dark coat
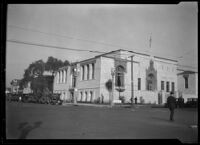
171	102
135	100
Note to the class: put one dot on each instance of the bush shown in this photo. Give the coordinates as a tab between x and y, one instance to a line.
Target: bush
122	98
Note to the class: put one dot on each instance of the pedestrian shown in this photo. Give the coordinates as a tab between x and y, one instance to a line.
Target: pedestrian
135	100
171	102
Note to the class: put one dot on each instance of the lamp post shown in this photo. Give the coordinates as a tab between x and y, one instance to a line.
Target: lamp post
132	85
112	96
75	73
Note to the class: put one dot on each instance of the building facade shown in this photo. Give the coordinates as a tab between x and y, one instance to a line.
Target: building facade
187	84
153	78
15	86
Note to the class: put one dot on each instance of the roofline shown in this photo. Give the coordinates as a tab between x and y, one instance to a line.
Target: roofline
137	53
187	70
97	56
166	58
121	59
107	53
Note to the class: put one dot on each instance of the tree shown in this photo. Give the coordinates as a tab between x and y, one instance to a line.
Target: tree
34	74
108	86
53	64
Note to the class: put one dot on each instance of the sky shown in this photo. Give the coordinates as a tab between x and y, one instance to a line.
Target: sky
99	27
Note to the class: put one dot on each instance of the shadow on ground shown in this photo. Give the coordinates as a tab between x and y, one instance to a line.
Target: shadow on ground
26	128
160	119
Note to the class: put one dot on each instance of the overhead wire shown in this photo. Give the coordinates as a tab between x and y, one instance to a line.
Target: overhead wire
71	49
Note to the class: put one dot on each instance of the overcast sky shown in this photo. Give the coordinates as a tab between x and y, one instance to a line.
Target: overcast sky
173	29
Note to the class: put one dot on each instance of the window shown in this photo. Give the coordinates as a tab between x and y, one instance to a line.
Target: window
150	82
139	83
82	78
91	96
92	70
186	82
119	77
162	85
81	96
58	77
167	87
88	71
172	86
85	96
73	81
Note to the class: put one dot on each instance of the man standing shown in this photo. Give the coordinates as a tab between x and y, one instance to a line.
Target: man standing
135	100
171	102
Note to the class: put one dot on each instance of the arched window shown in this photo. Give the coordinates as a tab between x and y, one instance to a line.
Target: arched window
119	77
82	72
88	71
91	96
150	82
58	77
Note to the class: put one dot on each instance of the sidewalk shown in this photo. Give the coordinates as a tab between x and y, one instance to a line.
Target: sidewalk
106	105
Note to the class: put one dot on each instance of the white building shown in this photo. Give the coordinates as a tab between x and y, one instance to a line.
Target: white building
153	78
187	84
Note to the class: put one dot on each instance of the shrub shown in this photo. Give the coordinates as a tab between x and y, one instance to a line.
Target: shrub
122	98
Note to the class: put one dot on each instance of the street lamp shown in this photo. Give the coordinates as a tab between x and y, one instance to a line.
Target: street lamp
75	74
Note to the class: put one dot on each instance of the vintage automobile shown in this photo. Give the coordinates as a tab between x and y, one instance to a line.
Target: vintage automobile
55	99
191	103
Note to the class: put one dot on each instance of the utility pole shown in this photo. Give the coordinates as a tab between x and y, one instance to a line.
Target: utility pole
132	84
112	96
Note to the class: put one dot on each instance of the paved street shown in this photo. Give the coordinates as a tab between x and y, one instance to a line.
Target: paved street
37	121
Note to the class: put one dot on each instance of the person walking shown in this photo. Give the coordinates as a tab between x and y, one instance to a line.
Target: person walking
171	102
135	100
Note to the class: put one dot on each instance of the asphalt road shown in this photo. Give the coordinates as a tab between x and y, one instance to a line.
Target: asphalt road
38	121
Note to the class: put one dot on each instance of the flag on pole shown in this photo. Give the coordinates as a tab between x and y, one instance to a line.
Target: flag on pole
150	42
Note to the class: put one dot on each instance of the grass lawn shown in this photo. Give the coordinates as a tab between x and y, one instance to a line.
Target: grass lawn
38	121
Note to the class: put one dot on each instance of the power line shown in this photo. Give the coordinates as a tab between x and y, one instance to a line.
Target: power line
71	49
51	46
79	39
65	36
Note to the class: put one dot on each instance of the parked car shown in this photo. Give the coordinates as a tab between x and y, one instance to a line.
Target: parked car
191	103
32	99
25	98
55	99
14	97
44	100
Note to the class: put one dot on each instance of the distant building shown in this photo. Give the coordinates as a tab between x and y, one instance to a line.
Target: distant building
8	90
15	86
187	84
153	78
27	89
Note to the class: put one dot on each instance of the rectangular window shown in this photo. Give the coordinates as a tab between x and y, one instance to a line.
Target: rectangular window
172	86
92	70
186	82
139	83
88	71
167	87
73	81
162	85
82	72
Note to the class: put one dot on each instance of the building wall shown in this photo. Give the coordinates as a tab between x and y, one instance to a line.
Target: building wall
62	87
166	71
91	84
192	90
